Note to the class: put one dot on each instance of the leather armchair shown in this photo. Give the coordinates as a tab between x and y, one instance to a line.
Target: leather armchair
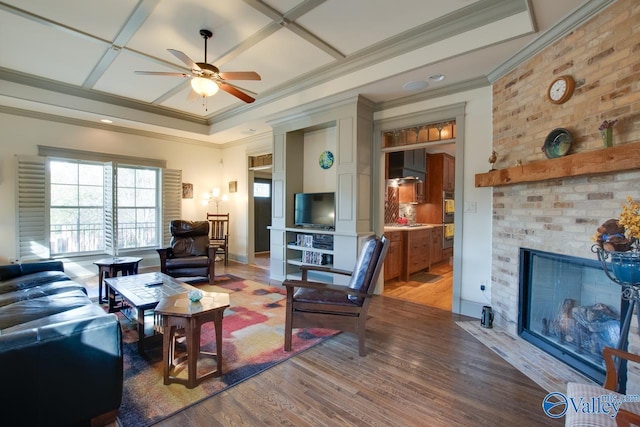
189	253
322	305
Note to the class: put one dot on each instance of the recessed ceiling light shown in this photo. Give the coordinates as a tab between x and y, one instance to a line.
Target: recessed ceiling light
437	77
415	85
106	121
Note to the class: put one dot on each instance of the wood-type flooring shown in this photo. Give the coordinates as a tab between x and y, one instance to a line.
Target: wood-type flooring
437	292
421	369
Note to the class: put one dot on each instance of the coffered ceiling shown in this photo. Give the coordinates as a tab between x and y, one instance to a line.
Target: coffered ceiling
75	59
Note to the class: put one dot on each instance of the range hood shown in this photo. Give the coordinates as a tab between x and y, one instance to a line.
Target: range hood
408	180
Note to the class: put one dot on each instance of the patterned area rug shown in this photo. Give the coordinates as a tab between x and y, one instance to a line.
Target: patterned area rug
253	338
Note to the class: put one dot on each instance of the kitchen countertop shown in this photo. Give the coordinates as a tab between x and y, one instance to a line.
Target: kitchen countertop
398	227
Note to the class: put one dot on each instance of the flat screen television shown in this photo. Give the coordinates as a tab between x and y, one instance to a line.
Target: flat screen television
314	210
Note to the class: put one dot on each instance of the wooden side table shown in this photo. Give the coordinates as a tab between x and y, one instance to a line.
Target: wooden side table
110	267
177	312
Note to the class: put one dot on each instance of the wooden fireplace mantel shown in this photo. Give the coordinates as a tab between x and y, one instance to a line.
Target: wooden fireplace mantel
605	160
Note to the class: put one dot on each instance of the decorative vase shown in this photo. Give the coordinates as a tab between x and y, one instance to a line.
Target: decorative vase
626	266
607	137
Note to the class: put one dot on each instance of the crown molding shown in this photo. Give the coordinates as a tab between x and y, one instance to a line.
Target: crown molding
435	93
93	95
96	125
563	27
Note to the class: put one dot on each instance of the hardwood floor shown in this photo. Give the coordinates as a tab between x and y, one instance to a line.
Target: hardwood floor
437	292
421	369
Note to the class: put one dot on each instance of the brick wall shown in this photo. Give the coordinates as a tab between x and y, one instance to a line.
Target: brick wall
603	56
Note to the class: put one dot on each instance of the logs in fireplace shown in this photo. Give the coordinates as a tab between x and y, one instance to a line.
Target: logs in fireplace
587	328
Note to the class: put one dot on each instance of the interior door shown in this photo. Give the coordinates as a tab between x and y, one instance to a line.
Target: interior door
262	213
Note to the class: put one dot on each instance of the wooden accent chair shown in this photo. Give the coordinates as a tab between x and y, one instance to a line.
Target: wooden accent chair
219	237
629	413
189	252
319	305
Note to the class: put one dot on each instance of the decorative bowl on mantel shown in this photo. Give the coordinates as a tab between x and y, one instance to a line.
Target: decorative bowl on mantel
557	144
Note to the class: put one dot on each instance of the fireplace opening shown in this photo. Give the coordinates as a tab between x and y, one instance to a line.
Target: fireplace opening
570	309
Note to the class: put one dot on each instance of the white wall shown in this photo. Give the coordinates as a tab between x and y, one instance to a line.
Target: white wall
236	168
22	135
475	230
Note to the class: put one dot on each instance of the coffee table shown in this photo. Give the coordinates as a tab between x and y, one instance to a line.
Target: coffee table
110	267
142	292
178	312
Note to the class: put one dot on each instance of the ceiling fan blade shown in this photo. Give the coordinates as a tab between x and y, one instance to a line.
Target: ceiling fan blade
250	92
184	58
236	92
240	75
162	73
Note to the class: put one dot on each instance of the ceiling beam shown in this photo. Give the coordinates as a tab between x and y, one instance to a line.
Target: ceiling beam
287	20
137	18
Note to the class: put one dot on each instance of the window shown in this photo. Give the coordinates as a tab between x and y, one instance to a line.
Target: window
261	189
137	207
75	202
78	199
76	214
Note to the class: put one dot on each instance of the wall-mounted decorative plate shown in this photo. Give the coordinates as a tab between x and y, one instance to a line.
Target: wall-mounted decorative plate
326	160
557	143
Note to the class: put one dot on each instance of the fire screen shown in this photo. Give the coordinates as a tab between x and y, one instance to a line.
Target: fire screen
569	308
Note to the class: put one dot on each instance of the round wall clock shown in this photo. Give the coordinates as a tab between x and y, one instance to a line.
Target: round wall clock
561	89
326	160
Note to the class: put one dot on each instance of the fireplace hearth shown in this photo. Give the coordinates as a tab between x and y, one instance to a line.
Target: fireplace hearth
569	308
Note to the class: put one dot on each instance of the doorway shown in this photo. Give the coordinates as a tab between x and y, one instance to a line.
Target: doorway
262	217
418	220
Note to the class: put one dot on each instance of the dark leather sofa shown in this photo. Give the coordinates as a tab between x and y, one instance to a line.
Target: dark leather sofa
61	355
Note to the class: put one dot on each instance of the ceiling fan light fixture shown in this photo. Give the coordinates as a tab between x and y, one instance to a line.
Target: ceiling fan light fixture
204	87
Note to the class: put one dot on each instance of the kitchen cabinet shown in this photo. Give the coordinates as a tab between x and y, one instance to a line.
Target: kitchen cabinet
448	173
436	245
442	174
393	261
411	192
441	178
417	248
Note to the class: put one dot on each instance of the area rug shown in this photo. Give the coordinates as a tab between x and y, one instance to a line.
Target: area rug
253	338
424	277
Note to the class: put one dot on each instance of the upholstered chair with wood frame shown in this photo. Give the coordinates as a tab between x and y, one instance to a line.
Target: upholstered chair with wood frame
219	224
320	305
629	413
189	253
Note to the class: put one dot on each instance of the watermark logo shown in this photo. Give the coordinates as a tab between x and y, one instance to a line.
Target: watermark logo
557	404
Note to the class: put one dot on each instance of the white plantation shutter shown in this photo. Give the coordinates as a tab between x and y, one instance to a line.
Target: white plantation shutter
31	209
110	207
171	201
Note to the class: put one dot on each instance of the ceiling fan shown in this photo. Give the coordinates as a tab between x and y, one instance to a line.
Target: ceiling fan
206	78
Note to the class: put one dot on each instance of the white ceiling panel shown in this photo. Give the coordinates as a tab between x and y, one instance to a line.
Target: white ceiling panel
283	6
280	57
353	25
121	80
43	51
74	14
